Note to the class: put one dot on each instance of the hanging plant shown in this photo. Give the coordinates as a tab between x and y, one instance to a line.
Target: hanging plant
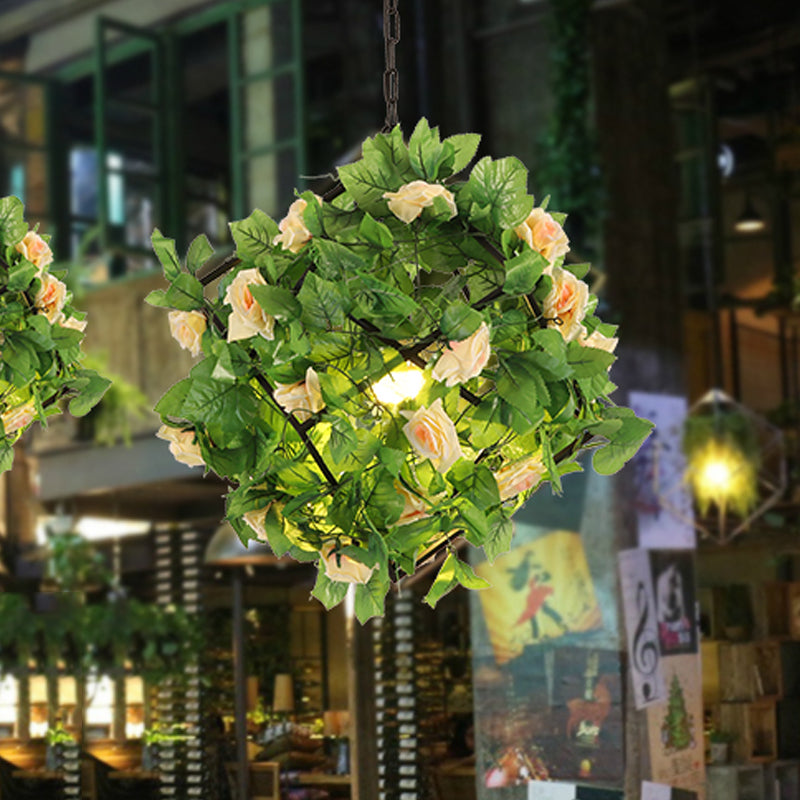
393	368
41	334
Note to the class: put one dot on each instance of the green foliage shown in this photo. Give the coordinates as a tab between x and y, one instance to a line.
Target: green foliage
74	564
41	358
360	298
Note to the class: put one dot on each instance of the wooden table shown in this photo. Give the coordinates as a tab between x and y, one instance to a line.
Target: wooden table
38	774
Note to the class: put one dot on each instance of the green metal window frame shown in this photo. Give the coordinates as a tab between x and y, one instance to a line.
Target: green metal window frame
164	41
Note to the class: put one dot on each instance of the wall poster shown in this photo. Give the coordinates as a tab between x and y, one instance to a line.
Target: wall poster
663	503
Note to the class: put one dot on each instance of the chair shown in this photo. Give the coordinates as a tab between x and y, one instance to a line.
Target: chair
265	780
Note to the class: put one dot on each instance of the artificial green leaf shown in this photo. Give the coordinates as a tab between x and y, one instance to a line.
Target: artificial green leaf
459	321
226	409
253	235
338	260
426	152
376	233
391	459
380	299
6	457
476	482
343	440
92	388
158	298
500	189
166	253
12	223
329	593
170	406
200	250
499	539
445	581
324	303
465	145
370	597
185	293
523	271
588	361
626	442
276	301
21	276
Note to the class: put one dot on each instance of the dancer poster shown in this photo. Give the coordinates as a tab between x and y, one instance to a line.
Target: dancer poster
540	592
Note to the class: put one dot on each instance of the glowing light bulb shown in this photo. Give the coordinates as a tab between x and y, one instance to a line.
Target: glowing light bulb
400	384
716	475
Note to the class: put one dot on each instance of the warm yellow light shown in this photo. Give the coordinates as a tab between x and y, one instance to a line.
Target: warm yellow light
400	384
721	474
716	476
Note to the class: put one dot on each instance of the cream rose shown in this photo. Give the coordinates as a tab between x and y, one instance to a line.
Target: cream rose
182	445
519	477
465	359
19	417
543	234
255	520
303	398
35	249
51	297
71	322
600	342
414	507
343	569
433	435
293	231
187	328
409	200
565	304
247	317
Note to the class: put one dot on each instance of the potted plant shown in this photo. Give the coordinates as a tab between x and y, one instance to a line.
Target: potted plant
153	738
720	742
56	739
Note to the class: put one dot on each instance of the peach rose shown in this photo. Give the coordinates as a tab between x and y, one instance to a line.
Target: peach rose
565	304
35	249
255	520
409	200
303	398
51	297
247	317
187	328
519	477
433	435
465	359
182	445
293	231
18	417
343	569
600	342
414	507
543	234
71	322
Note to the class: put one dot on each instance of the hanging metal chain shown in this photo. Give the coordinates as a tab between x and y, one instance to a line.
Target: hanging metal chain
391	78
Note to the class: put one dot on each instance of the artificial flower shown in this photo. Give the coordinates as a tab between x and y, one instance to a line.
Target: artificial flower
519	477
187	328
51	297
303	398
464	359
566	303
247	317
342	568
409	200
182	445
293	231
35	249
433	435
18	417
543	234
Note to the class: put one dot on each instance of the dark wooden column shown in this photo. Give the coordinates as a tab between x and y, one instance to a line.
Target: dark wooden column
640	234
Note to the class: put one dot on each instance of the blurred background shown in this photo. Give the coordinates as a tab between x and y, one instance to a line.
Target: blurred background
668	129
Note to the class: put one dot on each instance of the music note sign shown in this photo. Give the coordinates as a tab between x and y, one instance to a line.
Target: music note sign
641	625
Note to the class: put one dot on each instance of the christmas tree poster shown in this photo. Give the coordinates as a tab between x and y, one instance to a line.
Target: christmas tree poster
675	728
